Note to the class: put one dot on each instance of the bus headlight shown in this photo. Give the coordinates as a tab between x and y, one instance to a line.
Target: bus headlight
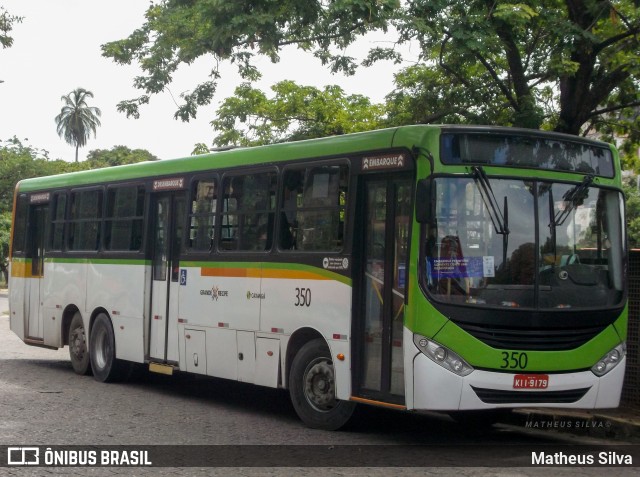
442	356
609	360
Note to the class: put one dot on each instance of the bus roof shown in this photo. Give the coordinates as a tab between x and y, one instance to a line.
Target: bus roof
403	136
330	146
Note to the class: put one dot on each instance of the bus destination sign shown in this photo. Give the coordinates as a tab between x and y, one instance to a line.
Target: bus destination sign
168	184
386	161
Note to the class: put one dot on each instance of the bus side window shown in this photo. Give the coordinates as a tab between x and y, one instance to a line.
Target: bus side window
202	215
248	212
85	220
124	219
313	208
58	216
20	224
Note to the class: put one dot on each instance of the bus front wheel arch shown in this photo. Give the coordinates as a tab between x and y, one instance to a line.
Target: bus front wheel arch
312	388
106	368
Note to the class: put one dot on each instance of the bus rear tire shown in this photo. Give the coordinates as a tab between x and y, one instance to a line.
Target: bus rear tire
106	368
312	388
78	349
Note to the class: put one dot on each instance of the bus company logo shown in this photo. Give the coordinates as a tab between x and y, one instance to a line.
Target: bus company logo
168	184
215	293
253	295
390	161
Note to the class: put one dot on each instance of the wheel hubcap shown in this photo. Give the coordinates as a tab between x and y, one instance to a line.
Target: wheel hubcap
77	341
319	384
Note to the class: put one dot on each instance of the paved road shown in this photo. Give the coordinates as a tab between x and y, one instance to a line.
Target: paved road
42	402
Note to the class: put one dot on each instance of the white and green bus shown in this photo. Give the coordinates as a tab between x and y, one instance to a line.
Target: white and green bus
448	268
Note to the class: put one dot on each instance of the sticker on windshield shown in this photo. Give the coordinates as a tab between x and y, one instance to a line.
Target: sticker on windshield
461	267
488	266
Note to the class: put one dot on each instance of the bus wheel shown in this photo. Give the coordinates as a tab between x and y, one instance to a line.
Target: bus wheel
105	366
78	349
312	388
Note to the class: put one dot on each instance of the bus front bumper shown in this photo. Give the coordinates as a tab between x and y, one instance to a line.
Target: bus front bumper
436	388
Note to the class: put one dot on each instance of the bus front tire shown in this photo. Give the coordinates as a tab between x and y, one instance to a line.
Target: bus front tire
78	349
312	388
106	368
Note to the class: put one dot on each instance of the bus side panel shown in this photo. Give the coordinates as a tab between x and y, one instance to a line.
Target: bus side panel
119	289
16	298
220	297
219	300
318	303
65	285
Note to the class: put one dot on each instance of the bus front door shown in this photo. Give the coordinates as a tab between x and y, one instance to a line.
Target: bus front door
167	220
384	207
37	231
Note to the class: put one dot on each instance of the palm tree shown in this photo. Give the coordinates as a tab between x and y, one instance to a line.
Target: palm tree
77	120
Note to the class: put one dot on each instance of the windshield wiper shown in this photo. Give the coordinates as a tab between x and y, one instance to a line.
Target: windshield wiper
573	198
499	219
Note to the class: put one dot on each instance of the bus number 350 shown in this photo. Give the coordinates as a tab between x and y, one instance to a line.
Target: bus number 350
303	297
514	360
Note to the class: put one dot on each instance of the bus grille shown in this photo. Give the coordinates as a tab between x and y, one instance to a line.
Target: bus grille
495	396
550	339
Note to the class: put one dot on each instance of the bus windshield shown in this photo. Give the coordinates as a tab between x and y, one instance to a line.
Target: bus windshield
493	253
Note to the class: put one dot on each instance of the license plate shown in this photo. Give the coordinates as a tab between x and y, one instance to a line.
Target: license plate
530	381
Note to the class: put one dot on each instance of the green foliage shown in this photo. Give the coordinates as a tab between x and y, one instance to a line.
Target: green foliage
581	51
77	120
6	26
249	118
200	148
117	156
19	161
424	95
566	65
177	32
632	198
5	238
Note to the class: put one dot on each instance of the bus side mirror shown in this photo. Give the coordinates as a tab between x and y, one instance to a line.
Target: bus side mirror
425	201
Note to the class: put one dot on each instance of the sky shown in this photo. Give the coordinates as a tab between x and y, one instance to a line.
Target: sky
57	49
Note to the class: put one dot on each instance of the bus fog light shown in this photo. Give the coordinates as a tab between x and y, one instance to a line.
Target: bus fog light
442	356
609	360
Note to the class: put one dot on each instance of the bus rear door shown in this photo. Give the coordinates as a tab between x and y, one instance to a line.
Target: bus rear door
36	233
167	223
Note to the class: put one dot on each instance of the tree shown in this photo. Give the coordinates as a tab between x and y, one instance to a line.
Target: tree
566	65
77	120
117	156
179	31
249	118
20	161
632	206
6	26
5	237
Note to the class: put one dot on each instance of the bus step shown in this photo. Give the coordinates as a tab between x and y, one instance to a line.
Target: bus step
161	368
